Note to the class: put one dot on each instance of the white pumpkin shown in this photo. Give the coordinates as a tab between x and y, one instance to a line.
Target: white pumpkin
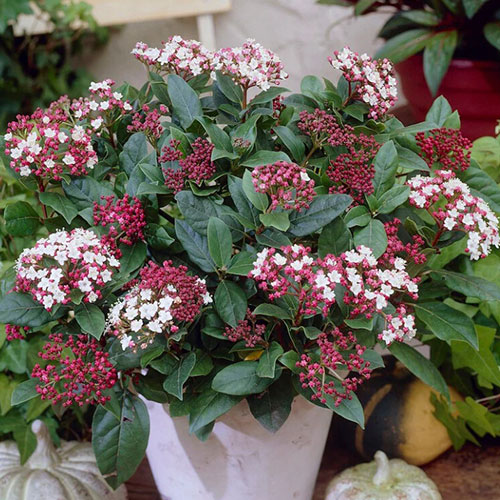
382	479
67	473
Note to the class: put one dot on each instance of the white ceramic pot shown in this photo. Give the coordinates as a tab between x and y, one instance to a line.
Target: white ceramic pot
240	460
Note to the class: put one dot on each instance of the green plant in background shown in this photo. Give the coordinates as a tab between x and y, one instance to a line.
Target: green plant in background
36	69
441	29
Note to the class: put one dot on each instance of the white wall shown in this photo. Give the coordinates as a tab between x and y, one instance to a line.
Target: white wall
301	32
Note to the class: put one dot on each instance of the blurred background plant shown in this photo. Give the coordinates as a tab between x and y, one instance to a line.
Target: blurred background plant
37	65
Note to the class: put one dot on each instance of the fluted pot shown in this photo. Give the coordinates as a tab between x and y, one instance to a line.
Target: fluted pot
240	460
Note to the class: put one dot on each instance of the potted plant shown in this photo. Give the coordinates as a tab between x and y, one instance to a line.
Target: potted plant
219	249
444	47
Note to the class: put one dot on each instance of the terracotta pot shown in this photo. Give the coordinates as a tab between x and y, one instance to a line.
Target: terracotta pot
240	460
471	87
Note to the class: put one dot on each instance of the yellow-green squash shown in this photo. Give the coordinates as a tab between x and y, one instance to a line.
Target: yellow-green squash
399	417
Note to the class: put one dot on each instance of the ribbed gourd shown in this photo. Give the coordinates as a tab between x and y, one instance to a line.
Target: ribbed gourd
382	479
399	417
67	473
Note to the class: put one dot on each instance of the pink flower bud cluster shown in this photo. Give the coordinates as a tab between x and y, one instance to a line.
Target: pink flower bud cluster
65	262
126	213
446	147
248	330
13	332
312	281
103	106
148	121
79	372
250	65
287	184
323	127
187	58
461	212
48	144
337	351
372	81
196	166
411	251
165	299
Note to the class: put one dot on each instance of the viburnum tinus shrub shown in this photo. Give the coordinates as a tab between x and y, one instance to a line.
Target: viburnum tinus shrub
212	237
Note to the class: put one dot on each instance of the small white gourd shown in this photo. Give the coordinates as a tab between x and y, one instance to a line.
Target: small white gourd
382	479
67	473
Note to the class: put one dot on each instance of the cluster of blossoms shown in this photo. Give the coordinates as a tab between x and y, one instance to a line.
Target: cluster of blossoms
250	65
445	146
48	144
338	350
412	251
63	262
196	166
165	298
312	282
462	211
148	121
80	375
126	213
13	332
248	330
102	107
373	80
352	171
287	184
186	58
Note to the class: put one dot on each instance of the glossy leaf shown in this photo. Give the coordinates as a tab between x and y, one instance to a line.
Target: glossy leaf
240	379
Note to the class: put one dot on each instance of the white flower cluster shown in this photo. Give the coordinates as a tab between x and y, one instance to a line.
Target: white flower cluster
62	262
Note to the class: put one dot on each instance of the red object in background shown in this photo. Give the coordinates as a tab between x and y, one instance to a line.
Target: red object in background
471	87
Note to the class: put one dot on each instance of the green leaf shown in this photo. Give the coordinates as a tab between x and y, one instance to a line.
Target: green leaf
482	185
446	323
263	157
357	216
335	238
133	256
279	220
241	263
120	443
60	204
84	191
208	406
174	383
21	219
241	201
404	45
386	165
392	199
362	6
218	137
322	210
481	361
230	302
134	151
372	236
195	245
439	111
268	95
472	6
25	391
272	407
26	442
420	366
258	200
422	17
360	323
20	309
437	57
470	286
272	310
267	362
91	319
204	364
240	379
350	409
229	88
272	238
247	131
220	243
492	33
410	160
184	100
291	141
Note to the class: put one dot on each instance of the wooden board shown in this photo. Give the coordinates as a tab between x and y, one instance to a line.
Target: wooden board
112	12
